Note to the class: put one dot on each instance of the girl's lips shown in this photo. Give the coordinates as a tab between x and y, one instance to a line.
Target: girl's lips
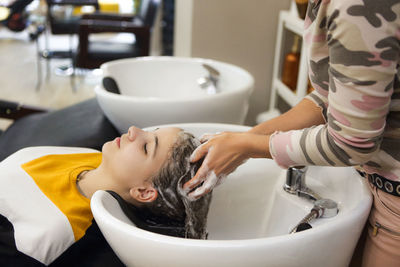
118	141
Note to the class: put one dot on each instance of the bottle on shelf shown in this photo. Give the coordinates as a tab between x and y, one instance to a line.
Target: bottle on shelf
291	65
302	8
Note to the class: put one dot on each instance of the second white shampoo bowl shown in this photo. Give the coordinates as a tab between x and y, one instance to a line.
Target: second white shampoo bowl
162	90
249	221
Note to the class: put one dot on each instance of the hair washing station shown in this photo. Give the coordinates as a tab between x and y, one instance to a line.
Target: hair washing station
199	90
250	219
251	215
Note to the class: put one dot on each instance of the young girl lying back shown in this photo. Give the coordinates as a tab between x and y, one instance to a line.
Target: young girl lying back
45	192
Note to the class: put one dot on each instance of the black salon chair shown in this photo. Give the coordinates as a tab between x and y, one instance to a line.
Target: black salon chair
62	24
91	54
79	125
66	24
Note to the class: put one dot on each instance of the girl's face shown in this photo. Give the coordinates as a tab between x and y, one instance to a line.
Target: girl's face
138	155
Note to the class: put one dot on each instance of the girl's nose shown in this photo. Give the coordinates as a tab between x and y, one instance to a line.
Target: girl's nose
134	132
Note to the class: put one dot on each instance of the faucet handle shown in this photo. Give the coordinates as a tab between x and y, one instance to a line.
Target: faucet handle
213	74
296	183
300	168
295	179
212	71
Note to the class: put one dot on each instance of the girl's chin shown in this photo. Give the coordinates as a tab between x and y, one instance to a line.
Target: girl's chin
105	146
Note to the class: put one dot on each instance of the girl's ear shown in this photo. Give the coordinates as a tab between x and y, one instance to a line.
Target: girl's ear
143	193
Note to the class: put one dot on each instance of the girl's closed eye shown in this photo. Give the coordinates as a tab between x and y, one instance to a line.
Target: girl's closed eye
145	148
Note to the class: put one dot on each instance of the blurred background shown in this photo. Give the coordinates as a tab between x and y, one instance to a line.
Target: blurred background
39	63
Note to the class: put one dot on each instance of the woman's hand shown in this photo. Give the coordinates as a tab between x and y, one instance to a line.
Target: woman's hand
223	153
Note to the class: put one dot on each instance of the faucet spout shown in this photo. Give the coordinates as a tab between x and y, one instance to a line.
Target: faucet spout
296	183
210	82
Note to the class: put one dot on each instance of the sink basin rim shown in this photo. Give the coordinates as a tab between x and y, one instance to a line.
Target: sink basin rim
99	89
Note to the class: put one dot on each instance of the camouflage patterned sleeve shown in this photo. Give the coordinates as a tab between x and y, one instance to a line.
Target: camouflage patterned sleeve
353	51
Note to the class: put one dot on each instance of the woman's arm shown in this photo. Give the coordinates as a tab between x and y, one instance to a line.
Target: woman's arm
353	68
356	62
303	115
226	151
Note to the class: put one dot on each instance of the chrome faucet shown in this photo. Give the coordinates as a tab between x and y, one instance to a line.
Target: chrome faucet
209	82
296	184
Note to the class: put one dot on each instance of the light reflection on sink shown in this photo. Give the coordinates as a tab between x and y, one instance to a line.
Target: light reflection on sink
249	220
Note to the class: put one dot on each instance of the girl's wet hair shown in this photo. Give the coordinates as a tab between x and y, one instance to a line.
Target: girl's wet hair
172	212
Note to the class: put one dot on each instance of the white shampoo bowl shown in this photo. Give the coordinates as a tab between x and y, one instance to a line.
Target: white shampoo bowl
162	90
249	221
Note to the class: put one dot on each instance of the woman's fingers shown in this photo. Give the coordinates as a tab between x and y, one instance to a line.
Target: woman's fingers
223	153
199	152
205	137
209	183
201	174
199	177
